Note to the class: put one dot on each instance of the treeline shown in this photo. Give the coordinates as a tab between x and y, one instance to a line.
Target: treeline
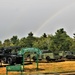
59	41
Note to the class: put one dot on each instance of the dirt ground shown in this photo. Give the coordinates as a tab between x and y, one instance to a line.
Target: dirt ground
53	67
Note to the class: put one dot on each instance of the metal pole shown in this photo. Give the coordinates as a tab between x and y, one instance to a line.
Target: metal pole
23	61
37	61
6	71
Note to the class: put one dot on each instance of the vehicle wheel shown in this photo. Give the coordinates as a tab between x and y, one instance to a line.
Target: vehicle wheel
34	58
47	58
4	59
10	60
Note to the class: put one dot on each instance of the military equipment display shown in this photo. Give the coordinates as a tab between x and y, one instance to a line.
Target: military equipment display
55	56
69	55
9	55
48	56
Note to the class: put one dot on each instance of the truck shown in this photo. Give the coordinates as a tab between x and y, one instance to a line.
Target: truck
10	56
70	55
48	56
58	56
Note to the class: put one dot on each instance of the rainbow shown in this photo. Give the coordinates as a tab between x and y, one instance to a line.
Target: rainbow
53	16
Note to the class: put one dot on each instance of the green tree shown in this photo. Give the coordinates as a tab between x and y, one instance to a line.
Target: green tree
1	45
15	40
60	41
30	34
22	42
30	39
41	42
72	47
44	35
6	43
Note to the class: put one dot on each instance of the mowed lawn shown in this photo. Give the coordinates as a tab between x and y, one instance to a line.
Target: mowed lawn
66	66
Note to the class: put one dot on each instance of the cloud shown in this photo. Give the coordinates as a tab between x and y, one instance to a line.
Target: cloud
19	17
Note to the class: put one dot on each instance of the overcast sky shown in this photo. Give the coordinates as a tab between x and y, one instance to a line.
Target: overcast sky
19	17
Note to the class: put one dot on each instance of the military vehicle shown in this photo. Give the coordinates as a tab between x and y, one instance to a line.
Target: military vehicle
54	56
48	56
69	55
9	55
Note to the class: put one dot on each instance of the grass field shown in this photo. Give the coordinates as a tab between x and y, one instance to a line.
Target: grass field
66	66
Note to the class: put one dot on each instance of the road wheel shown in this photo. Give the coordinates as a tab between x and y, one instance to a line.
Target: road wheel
47	58
34	58
4	59
10	60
